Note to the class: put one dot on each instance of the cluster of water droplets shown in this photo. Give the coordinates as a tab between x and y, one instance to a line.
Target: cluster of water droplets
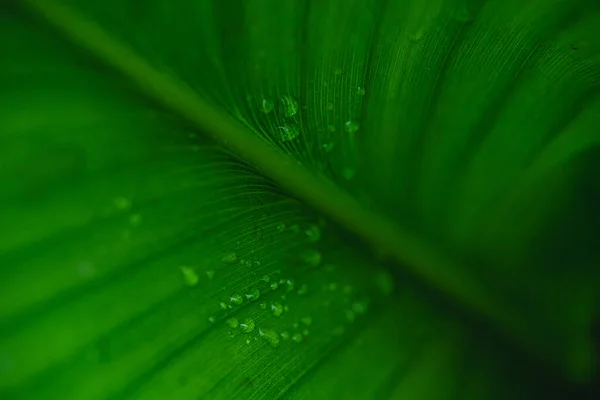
261	312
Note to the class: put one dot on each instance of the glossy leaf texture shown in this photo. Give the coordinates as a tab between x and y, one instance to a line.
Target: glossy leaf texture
298	199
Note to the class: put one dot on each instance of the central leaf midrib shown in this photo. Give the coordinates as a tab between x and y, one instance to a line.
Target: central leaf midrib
406	249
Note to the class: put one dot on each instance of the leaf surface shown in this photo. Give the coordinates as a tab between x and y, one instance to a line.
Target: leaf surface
194	191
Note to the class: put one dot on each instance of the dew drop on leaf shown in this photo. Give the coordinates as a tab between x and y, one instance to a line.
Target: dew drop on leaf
331	128
289	284
229	258
212	320
232	322
223	305
360	91
236	299
312	257
285	335
276	309
270	336
289	132
303	289
210	274
338	71
351	126
263	306
280	227
266	278
297	337
274	286
329	106
248	325
328	147
313	233
266	106
306	320
189	275
254	294
289	106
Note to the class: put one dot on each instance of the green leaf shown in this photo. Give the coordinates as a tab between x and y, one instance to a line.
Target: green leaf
298	199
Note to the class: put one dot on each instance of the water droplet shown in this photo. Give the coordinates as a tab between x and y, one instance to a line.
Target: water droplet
295	228
253	295
350	316
360	91
297	337
306	320
385	282
210	274
312	257
331	128
276	309
285	335
263	306
289	106
329	106
285	308
135	219
274	286
348	173
248	341
313	233
338	71
270	336
289	284
248	325
189	275
122	203
351	126
223	305
266	106
236	299
266	278
232	322
305	332
327	147
229	258
212	320
303	289
289	132
295	325
280	227
332	287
